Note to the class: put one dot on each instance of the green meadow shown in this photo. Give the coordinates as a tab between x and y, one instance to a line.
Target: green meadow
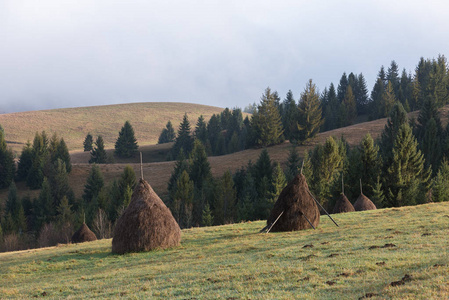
395	253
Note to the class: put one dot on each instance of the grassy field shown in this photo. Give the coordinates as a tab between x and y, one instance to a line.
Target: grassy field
397	253
148	119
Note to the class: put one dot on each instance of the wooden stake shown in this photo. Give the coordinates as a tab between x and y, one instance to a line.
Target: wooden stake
308	221
361	186
275	221
141	166
322	208
302	166
342	185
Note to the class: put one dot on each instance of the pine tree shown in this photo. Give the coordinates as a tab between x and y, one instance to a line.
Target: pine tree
168	134
94	184
25	162
289	115
387	100
293	164
266	122
7	165
309	114
370	163
201	130
126	144
278	183
393	77
183	207
331	107
406	177
440	184
183	140
213	132
342	87
377	196
199	166
62	152
350	108
43	207
88	142
227	213
59	183
207	217
180	166
98	154
361	94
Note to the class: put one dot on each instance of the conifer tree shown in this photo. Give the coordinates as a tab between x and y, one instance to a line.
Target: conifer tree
278	183
342	87
98	154
309	114
62	152
59	183
377	196
293	164
228	194
331	107
168	134
126	144
361	94
266	122
289	115
213	132
94	184
199	166
207	217
43	207
88	142
25	162
184	139
183	200
7	165
387	100
370	163
440	184
201	130
349	108
406	177
180	166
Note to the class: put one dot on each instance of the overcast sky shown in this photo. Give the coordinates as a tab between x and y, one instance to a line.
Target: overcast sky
69	53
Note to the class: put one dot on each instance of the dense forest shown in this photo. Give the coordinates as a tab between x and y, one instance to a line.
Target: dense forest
407	165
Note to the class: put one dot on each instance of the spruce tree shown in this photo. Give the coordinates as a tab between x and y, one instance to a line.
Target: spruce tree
98	154
25	162
199	165
7	165
361	94
406	177
350	108
201	130
94	184
332	105
184	139
207	217
126	144
309	113
440	184
62	152
293	164
88	142
180	166
342	87
387	100
266	122
289	115
278	183
168	134
59	182
213	132
183	200
228	194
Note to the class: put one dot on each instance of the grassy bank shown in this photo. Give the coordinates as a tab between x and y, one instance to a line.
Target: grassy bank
395	253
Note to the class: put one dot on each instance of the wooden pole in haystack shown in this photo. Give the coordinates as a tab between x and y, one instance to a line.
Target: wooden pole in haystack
308	221
361	186
141	166
275	221
323	208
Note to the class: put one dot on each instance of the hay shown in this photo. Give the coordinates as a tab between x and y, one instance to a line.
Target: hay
146	224
295	201
84	234
364	203
343	205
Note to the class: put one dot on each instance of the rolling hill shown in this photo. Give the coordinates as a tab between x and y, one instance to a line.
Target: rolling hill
148	119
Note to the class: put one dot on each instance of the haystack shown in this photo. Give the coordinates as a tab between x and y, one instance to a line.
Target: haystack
364	203
84	234
146	224
296	205
343	205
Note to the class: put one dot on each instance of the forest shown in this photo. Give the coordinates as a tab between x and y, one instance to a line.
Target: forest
407	165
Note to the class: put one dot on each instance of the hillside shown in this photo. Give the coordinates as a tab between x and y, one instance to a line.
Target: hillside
158	172
396	253
148	119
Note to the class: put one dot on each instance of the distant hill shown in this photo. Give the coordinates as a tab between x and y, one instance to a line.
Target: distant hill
73	124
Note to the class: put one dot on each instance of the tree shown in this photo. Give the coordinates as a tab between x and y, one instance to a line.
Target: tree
25	162
348	110
369	163
387	100
199	165
330	107
266	122
36	174
309	113
289	115
59	183
168	134
98	154
88	142
361	94
406	177
94	184
440	184
7	165
184	139
201	130
278	183
228	213
292	163
207	217
62	152
183	204
342	87
126	144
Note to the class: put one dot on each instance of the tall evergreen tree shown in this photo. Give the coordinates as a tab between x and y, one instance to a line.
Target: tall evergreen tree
349	108
289	115
88	142
59	182
440	184
278	183
7	165
293	164
201	130
25	162
266	122
98	154
331	107
36	174
207	216
361	94
94	184
184	139
168	134
199	167
342	87
183	200
126	144
309	114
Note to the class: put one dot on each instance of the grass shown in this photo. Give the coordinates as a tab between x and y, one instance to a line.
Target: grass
148	119
363	257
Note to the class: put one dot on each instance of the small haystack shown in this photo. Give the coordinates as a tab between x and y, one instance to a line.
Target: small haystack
343	205
146	224
297	207
364	203
84	234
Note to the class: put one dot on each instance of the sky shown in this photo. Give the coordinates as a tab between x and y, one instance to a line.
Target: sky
71	53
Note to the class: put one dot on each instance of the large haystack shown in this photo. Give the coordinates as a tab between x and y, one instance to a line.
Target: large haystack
146	224
297	204
343	205
84	234
364	203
